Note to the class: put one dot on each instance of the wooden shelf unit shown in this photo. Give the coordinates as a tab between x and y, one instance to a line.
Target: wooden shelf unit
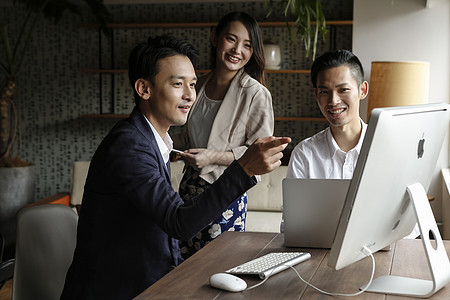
201	71
124	71
199	24
123	116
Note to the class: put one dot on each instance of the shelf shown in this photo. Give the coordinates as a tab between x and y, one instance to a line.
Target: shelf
304	119
116	116
104	116
111	71
282	71
195	25
104	71
199	24
123	71
119	71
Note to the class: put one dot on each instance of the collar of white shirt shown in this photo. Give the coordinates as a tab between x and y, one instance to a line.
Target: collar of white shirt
165	144
334	147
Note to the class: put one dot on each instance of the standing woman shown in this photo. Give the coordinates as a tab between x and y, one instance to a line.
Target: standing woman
233	109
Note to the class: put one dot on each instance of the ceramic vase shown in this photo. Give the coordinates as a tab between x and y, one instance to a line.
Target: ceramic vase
272	56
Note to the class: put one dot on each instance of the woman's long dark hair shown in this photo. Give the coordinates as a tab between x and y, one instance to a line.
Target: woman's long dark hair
255	66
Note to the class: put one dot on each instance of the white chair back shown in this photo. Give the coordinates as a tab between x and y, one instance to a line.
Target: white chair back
46	239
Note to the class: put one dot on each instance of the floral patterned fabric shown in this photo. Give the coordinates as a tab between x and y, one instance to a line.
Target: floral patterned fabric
232	219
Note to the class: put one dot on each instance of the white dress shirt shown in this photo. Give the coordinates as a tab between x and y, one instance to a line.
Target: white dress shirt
165	145
319	156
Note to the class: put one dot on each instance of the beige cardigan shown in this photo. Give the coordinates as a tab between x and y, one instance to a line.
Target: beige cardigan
245	114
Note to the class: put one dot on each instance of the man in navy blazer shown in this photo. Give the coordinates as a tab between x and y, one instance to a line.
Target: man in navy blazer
131	218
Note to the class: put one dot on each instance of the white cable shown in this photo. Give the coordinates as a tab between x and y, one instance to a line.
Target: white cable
365	250
264	280
258	284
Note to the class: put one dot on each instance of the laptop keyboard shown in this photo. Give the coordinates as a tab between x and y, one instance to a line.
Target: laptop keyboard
269	264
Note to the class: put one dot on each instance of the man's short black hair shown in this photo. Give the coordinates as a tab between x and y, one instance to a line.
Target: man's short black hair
144	58
336	59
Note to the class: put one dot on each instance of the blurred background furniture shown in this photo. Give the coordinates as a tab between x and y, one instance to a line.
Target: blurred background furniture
6	267
78	175
74	197
46	239
264	202
264	199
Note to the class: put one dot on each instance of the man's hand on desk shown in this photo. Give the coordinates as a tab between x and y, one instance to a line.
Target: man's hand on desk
264	155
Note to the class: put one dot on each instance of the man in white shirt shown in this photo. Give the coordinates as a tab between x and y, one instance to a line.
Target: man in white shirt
339	86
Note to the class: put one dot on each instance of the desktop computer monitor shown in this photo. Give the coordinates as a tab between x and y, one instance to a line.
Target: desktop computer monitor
398	157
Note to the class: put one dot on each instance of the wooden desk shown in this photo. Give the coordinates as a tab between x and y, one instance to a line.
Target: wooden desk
190	280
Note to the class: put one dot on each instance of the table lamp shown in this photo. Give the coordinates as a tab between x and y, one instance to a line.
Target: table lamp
396	83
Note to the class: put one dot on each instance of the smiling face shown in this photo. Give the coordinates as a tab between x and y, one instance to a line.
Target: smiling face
234	47
338	96
168	101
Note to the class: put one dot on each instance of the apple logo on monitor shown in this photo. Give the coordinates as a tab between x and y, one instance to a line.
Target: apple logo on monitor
420	147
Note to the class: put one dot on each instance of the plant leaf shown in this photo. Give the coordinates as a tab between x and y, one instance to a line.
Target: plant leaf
304	12
6	46
4	69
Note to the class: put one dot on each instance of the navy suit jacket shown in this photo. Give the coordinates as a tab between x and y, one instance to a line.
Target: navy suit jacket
131	219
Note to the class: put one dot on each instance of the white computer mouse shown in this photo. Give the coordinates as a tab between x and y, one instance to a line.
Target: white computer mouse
227	282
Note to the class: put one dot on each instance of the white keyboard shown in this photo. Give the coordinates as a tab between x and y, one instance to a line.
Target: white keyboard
269	264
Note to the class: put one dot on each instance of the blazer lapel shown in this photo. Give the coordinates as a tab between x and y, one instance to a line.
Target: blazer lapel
138	119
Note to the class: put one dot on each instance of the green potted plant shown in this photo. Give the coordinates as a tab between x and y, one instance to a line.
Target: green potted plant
17	175
306	17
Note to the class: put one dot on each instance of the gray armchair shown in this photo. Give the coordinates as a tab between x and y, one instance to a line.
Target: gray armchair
46	239
6	267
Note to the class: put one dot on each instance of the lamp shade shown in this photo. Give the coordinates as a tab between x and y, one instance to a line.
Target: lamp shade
395	83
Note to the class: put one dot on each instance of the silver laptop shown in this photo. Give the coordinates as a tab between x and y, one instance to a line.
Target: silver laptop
311	210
